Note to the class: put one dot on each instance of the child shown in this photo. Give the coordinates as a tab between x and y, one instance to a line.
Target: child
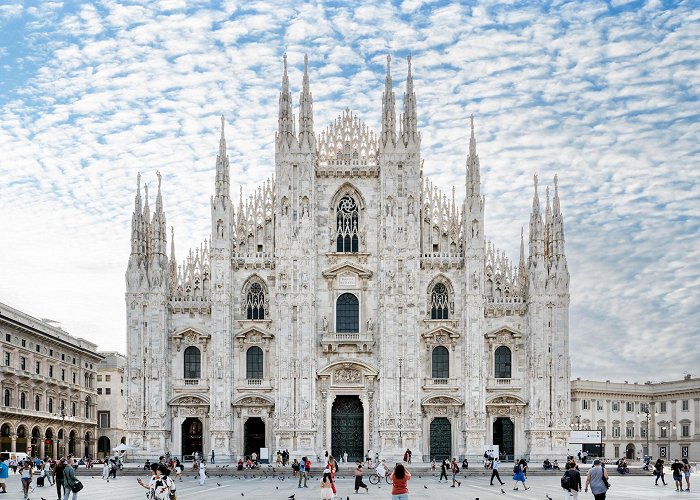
326	485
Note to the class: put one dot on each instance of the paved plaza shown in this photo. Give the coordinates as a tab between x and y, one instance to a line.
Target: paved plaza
423	487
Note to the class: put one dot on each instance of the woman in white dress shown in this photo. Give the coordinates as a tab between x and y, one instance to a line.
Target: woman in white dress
202	472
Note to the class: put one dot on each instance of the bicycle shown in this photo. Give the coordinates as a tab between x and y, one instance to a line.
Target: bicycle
375	478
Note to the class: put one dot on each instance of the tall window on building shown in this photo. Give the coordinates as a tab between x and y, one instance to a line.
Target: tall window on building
103	419
23	401
49	405
616	406
439	301
74	409
685	405
37	403
502	360
8	397
662	407
192	362
585	404
630	406
88	403
347	222
254	363
441	362
347	314
255	302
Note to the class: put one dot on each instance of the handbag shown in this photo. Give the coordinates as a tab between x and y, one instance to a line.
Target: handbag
76	486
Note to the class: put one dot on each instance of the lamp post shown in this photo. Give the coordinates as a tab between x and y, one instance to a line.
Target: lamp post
578	422
671	428
647	415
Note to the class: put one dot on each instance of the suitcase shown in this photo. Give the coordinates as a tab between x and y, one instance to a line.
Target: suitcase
40	481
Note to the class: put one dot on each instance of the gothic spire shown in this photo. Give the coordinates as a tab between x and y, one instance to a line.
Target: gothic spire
173	262
146	223
158	225
388	109
306	112
285	121
557	222
536	236
137	243
548	235
410	116
221	187
473	166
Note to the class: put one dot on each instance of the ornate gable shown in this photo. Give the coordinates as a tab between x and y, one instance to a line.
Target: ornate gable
192	337
254	336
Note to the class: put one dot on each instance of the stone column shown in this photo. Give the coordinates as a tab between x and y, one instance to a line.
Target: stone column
13	446
42	448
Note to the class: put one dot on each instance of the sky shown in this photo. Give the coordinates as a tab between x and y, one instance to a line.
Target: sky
602	93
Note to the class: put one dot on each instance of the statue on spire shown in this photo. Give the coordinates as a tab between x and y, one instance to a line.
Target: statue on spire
388	109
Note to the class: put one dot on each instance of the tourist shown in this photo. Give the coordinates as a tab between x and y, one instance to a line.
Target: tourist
327	485
677	471
659	472
380	470
105	470
455	469
278	459
69	480
4	475
465	463
432	464
410	454
686	473
572	483
178	469
58	476
519	474
597	479
332	466
399	486
212	456
26	477
358	478
161	487
443	469
345	457
302	472
555	465
547	465
202	472
494	471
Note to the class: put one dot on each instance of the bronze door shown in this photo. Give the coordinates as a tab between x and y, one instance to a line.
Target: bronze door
347	428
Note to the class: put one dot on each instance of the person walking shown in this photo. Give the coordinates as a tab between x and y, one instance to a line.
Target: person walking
399	485
443	470
494	471
26	477
4	476
455	470
677	471
332	466
202	472
58	477
212	456
178	469
69	480
686	473
327	485
105	470
597	479
410	454
519	474
571	482
659	472
358	478
302	472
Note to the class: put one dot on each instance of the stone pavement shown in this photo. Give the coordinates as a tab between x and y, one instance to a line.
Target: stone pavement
424	487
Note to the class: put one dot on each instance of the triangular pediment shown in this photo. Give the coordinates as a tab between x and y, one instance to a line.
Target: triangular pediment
190	336
347	267
254	332
441	332
503	330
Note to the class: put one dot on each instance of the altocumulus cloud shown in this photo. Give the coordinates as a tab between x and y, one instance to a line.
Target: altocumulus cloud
602	93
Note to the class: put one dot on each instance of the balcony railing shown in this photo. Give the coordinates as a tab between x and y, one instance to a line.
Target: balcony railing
191	381
440	383
255	382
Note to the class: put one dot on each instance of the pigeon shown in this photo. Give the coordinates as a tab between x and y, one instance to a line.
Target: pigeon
277	487
424	486
503	491
242	494
548	497
291	497
218	484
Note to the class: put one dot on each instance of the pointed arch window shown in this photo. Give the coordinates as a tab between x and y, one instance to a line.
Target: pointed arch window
193	362
255	302
441	362
254	363
439	300
347	314
347	222
502	362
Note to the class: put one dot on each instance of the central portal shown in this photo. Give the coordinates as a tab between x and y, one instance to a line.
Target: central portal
347	427
504	437
253	436
440	439
192	437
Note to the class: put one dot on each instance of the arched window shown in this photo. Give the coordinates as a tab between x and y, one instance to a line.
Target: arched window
347	221
441	362
347	314
8	397
37	403
254	363
23	401
193	366
502	358
255	302
439	300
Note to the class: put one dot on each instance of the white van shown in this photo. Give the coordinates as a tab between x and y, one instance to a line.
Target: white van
12	455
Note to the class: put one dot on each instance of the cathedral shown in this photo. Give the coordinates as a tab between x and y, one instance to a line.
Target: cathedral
348	305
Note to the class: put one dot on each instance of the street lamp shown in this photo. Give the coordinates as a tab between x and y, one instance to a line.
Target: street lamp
578	423
671	428
647	414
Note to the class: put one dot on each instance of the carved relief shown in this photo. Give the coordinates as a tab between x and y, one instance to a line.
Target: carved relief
347	376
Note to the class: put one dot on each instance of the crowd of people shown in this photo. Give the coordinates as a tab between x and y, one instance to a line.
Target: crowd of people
35	473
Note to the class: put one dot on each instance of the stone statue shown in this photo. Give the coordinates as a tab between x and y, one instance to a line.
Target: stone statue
370	325
324	324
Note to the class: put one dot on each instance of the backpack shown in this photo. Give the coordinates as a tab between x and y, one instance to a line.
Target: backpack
566	482
456	468
516	468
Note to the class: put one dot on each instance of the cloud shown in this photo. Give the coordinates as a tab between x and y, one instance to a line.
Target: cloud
604	95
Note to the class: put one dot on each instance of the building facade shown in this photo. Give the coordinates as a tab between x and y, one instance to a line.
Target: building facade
348	305
111	403
48	388
660	419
